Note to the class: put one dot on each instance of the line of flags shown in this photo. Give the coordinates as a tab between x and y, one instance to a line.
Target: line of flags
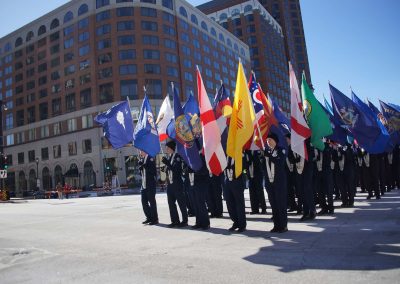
219	129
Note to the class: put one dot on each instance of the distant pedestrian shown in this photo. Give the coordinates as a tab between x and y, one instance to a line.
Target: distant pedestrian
59	190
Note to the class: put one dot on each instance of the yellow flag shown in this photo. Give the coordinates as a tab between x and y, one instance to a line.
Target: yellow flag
241	125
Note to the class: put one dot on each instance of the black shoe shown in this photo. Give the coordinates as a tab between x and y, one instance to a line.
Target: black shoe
240	230
254	213
274	230
183	224
299	212
323	212
292	209
172	225
264	212
304	217
369	196
378	197
146	221
284	230
212	216
195	227
219	216
344	205
192	215
153	222
233	228
331	211
204	228
312	216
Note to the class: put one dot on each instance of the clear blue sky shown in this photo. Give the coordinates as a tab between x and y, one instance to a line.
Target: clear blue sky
350	42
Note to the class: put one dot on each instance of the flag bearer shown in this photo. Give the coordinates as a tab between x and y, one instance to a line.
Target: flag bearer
147	167
215	204
255	177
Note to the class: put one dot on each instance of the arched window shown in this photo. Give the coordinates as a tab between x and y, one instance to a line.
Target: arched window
229	42
242	51
68	17
29	36
235	12
83	9
54	24
248	8
213	32
235	46
183	12
58	176
18	42
89	176
46	179
32	180
194	20
223	17
204	26
22	182
42	30
221	37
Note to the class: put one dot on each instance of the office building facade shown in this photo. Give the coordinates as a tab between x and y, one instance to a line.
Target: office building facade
59	71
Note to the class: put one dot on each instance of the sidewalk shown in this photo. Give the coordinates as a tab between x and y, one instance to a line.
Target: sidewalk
102	240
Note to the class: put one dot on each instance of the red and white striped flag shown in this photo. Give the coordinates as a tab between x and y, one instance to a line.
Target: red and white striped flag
213	152
164	118
299	128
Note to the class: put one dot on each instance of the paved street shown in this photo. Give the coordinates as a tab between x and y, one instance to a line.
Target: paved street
102	240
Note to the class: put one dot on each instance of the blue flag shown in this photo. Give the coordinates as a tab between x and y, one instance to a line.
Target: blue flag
283	127
397	107
328	107
185	140
363	127
192	112
146	135
391	118
382	141
117	124
339	134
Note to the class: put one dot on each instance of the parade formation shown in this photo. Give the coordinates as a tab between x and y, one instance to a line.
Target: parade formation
213	151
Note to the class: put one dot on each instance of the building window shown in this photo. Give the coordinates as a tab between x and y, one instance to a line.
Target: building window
71	125
128	88
72	148
83	36
69	70
84	50
168	4
104	29
57	128
21	158
170	43
149	26
182	12
125	25
42	80
31	134
124	11
105	15
105	43
105	58
102	3
83	9
154	88
10	139
68	17
68	56
168	17
86	99
172	71
188	76
127	54
55	62
44	131
84	64
70	102
83	79
126	40
31	114
56	108
87	121
105	73
57	151
106	93
9	121
68	30
84	23
43	111
45	153
148	12
152	69
86	146
31	156
171	57
151	54
127	69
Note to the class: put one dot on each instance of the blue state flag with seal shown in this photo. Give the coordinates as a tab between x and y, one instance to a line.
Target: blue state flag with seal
146	135
186	142
117	124
391	119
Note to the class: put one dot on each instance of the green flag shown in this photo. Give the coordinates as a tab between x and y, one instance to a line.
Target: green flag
317	119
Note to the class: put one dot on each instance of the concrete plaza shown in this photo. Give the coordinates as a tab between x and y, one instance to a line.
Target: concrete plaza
102	240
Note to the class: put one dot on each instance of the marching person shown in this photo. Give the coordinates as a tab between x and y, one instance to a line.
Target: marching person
255	177
348	174
215	204
309	210
175	189
276	183
147	167
326	190
234	197
59	189
291	177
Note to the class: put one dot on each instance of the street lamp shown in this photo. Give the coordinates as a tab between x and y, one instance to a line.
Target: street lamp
37	174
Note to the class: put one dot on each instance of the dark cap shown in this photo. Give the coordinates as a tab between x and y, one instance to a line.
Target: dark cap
273	136
171	144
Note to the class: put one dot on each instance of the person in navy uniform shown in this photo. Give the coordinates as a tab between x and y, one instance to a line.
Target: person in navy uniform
291	177
198	186
147	167
276	182
309	211
255	177
215	204
348	173
234	197
175	190
326	189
